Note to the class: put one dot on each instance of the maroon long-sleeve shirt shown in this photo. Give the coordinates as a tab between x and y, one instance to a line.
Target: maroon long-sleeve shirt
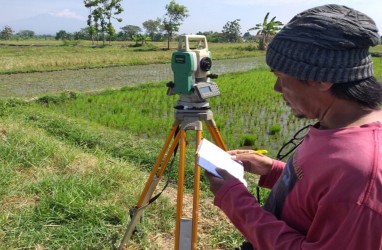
327	196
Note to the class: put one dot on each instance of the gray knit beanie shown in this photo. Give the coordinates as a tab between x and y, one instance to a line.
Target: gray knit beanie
328	43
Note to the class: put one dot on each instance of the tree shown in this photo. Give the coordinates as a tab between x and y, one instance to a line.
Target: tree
247	36
152	27
6	33
25	34
101	13
62	35
231	31
92	22
266	30
110	30
130	31
212	36
112	8
84	34
174	17
140	39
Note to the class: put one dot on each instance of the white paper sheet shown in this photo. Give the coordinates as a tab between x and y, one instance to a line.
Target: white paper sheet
210	157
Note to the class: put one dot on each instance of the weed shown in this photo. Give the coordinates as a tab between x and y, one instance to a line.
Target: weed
248	140
274	129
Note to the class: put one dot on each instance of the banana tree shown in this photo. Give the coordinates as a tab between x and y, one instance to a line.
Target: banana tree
266	30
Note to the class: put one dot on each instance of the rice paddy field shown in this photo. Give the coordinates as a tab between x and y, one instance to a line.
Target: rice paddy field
73	162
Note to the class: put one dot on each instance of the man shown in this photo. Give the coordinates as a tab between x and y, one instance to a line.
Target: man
328	195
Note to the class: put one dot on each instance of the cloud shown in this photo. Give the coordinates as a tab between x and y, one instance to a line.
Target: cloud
265	2
67	13
273	3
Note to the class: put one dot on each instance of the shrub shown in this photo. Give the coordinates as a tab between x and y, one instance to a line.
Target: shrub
67	42
247	140
275	129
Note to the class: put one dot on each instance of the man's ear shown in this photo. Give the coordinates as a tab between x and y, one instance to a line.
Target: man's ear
325	86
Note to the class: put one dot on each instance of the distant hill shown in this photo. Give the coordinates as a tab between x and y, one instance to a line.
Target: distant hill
46	24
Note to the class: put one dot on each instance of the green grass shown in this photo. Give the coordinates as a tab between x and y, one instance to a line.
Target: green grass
16	57
80	172
48	55
68	183
57	193
72	164
148	113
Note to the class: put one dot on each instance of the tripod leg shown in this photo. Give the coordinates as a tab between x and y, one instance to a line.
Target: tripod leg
212	128
195	206
159	160
179	203
152	182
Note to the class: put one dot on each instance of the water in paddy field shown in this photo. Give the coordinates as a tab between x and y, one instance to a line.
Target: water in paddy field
41	83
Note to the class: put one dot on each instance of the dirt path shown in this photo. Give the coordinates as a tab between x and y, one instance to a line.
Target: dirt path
28	85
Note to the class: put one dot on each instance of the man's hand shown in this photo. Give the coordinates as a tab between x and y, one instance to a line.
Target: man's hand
216	182
253	162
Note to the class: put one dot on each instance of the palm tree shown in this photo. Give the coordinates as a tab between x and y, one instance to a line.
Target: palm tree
266	30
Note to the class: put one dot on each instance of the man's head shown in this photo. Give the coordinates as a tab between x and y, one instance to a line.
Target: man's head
328	43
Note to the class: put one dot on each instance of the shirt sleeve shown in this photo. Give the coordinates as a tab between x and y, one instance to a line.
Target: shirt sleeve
270	179
335	226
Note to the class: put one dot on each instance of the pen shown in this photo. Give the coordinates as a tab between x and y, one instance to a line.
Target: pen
258	152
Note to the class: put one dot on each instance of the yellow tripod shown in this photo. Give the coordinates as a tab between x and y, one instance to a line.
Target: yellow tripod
185	228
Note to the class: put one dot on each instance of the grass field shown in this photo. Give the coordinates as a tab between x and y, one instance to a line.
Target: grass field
31	56
64	161
72	164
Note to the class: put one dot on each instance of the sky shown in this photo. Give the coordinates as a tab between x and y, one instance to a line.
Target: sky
51	16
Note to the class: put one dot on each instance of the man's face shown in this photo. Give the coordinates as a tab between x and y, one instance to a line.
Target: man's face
300	96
